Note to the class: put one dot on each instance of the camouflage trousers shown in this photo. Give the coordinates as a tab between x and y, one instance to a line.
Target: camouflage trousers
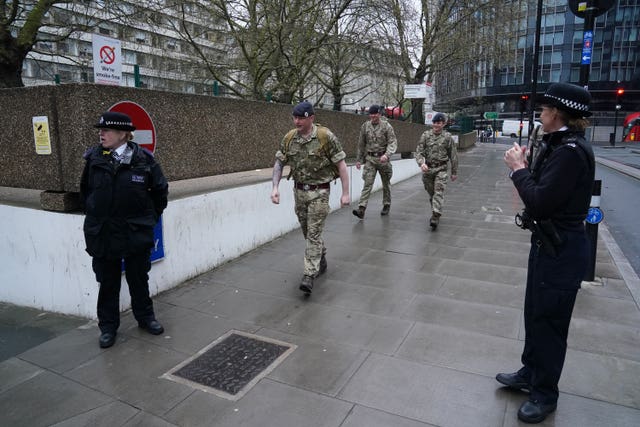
369	176
312	208
435	182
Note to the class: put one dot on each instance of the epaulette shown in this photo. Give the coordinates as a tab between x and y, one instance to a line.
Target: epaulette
146	150
88	152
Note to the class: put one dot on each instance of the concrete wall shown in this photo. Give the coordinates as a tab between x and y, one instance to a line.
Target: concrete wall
44	264
197	135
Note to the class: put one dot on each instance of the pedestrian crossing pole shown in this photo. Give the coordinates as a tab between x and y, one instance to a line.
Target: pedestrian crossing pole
594	217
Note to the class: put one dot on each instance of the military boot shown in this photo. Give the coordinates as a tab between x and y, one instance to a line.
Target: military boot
385	210
433	222
306	285
323	265
359	212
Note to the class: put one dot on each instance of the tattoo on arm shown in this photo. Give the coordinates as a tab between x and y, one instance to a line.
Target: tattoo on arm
277	172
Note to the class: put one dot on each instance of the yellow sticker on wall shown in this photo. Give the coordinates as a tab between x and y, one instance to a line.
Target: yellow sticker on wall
41	134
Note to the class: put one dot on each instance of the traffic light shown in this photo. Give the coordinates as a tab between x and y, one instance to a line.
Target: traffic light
619	93
523	103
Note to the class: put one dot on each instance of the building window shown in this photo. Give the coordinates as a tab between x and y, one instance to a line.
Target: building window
141	37
104	31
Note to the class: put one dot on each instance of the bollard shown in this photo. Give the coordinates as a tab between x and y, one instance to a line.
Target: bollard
594	217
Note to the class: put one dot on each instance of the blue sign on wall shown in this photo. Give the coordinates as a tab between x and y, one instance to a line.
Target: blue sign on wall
157	253
587	47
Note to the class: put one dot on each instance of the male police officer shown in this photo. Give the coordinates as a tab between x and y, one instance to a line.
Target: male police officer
316	158
123	192
435	150
556	191
376	143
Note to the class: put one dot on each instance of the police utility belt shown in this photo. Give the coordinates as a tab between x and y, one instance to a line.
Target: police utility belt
544	231
311	187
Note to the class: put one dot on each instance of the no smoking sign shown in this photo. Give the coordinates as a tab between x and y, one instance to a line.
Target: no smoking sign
107	54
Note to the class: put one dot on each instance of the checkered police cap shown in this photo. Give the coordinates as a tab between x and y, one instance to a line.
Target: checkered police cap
114	120
573	99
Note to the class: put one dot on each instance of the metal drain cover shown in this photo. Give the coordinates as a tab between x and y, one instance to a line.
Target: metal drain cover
231	365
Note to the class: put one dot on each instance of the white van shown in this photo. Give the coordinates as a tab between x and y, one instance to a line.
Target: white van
512	128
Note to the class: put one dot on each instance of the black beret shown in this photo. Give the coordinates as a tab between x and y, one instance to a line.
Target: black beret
374	109
303	109
439	117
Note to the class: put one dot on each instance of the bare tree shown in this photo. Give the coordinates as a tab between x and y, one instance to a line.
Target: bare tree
441	35
26	24
346	56
273	44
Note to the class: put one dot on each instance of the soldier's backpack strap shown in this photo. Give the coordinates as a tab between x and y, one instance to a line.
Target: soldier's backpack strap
323	137
287	142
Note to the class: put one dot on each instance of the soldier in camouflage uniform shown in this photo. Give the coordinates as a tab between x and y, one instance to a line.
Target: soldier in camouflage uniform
435	149
376	144
315	157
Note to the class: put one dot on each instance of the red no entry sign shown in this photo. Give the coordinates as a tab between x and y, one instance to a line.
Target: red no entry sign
145	134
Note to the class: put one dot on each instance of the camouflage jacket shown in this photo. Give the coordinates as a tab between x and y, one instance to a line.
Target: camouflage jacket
437	150
309	163
376	138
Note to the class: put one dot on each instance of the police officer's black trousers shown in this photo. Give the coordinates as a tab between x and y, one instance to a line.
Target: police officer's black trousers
108	273
552	286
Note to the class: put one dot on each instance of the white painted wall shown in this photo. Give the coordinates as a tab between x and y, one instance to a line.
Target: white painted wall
44	264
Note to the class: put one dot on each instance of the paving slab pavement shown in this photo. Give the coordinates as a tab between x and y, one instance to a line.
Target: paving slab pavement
407	328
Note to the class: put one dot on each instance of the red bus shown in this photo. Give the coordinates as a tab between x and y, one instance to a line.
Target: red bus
631	127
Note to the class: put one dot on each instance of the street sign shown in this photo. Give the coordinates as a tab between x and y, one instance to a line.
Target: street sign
587	46
594	215
490	115
415	91
145	134
107	60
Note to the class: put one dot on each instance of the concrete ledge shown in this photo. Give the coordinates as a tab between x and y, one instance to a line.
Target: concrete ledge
59	201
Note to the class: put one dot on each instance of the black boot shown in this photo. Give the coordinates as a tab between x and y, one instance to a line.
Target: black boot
107	339
534	412
385	210
433	222
306	285
359	212
514	381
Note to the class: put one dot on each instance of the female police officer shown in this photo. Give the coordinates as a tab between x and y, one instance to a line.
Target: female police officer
556	191
123	192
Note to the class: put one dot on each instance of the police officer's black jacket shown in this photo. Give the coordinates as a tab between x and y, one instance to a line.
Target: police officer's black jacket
123	203
560	188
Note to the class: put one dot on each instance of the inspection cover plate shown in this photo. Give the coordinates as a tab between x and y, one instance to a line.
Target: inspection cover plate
231	365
